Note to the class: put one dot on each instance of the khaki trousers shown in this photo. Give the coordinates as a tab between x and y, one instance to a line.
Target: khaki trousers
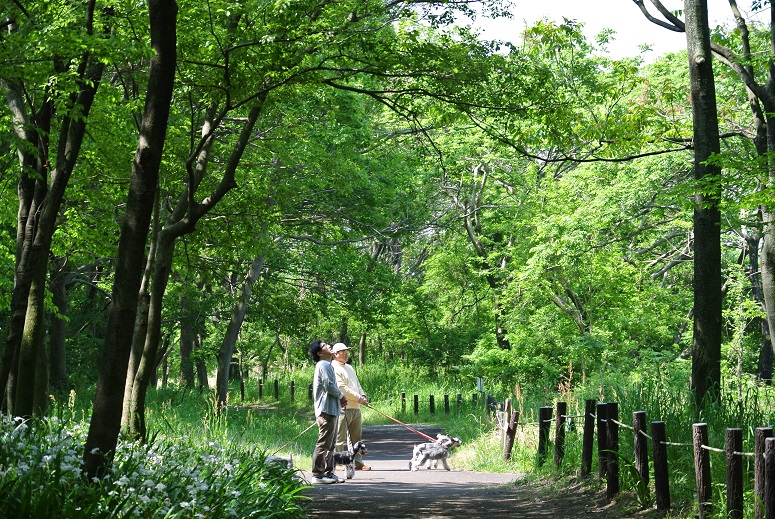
350	424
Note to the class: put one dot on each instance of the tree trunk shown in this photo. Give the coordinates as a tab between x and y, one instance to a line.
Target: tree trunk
161	273
362	350
56	345
232	331
108	401
706	348
186	346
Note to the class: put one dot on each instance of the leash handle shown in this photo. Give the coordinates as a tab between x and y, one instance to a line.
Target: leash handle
418	433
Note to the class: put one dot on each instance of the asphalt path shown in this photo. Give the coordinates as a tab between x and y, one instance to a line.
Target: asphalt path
390	489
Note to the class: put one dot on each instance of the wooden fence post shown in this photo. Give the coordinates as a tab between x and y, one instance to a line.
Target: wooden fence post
260	389
446	404
734	445
641	447
403	401
309	393
511	432
416	404
769	478
432	404
702	470
276	389
612	444
544	422
589	437
661	477
760	435
459	403
602	438
292	389
559	433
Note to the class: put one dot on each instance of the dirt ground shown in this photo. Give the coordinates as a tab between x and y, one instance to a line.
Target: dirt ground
391	490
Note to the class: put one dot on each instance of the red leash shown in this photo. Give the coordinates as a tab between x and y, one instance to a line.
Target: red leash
415	431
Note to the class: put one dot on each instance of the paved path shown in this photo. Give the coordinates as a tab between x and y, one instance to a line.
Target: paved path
391	490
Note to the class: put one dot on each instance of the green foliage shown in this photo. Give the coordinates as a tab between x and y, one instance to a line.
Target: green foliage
176	476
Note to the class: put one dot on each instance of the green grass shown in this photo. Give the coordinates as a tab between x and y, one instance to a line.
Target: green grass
199	462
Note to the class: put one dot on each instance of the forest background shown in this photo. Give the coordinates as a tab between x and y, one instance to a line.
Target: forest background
201	189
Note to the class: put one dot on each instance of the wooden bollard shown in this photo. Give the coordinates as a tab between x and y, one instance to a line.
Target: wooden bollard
769	478
416	404
544	424
760	435
640	447
734	445
292	390
702	470
589	437
602	440
260	389
403	401
559	433
309	393
661	474
276	389
612	444
459	402
446	404
511	431
432	404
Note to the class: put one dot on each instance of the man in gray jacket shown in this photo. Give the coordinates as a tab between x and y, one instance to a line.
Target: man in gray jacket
328	403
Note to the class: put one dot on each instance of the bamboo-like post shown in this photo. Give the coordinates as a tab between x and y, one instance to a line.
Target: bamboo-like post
641	447
661	474
559	433
702	470
446	404
612	472
292	389
403	401
602	439
760	436
260	389
734	445
511	431
769	478
589	437
544	423
416	404
276	389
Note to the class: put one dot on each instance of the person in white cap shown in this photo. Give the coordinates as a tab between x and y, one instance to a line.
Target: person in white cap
350	421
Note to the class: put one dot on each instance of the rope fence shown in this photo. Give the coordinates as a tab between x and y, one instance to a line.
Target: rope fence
602	423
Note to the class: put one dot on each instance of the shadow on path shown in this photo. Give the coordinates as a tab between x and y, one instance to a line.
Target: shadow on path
391	490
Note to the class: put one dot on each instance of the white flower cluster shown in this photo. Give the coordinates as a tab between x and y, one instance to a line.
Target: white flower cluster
170	478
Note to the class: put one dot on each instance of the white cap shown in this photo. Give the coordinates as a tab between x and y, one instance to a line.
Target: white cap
339	346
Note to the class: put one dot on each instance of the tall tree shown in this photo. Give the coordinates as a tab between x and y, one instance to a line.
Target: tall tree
40	110
106	415
706	347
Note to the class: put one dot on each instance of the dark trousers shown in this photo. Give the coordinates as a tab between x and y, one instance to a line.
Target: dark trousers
323	456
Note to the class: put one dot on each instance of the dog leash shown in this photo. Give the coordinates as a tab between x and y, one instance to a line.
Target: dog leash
302	432
415	431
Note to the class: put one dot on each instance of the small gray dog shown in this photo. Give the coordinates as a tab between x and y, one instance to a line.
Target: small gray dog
347	458
432	452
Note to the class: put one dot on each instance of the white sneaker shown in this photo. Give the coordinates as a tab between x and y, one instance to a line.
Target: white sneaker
323	480
332	475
